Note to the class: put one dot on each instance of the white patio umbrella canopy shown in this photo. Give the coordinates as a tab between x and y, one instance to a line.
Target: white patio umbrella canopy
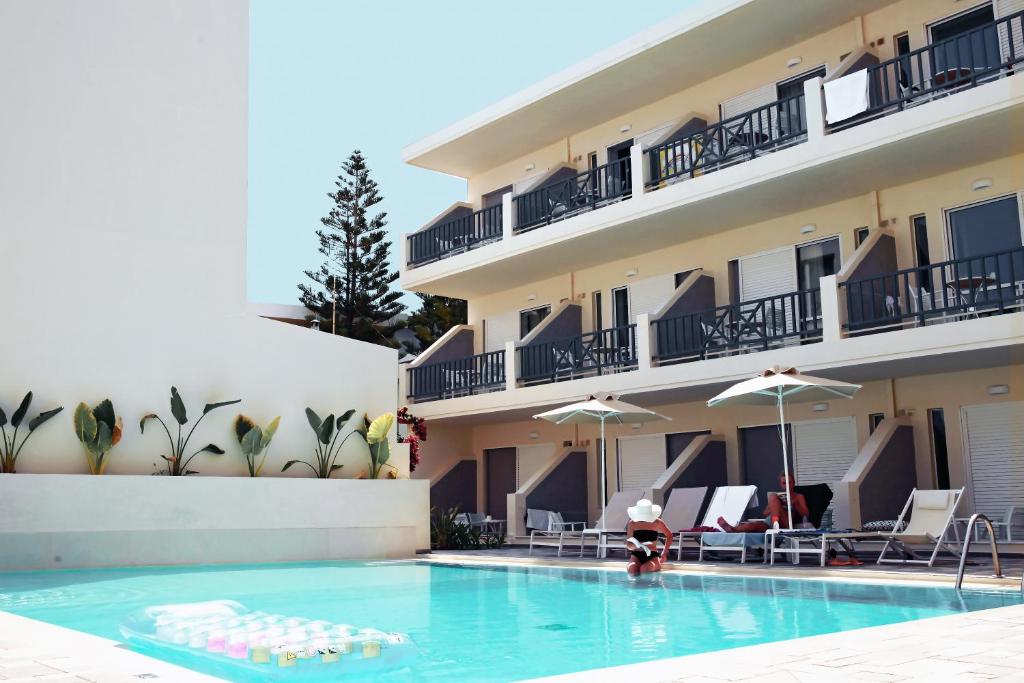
599	411
776	386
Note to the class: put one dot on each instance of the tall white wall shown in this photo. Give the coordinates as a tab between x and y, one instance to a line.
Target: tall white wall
123	181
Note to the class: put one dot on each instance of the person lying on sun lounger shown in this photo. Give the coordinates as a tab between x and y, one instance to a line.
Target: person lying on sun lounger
775	512
644	526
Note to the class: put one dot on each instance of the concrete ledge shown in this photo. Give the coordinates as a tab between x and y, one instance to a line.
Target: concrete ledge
50	521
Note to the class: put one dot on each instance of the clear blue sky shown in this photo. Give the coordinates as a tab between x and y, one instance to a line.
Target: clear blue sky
330	76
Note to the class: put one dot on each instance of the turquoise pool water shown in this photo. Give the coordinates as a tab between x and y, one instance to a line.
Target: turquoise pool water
492	624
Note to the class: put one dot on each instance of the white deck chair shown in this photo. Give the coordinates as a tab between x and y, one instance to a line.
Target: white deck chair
613	519
729	502
548	524
682	509
931	514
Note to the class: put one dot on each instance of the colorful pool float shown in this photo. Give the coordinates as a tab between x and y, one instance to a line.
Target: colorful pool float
291	648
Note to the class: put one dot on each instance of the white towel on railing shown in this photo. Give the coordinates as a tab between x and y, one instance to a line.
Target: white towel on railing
846	97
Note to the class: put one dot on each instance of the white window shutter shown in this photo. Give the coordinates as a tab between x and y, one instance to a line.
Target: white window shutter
499	329
753	99
641	461
649	295
1004	8
995	445
768	274
824	450
530	460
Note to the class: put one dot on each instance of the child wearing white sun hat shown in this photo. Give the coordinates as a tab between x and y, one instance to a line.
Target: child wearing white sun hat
644	528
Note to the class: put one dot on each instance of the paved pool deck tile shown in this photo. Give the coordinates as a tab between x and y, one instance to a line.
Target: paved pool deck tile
34	651
928	650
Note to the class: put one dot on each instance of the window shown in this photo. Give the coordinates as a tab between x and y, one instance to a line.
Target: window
792	87
922	259
965	43
859	235
530	318
940	455
619	168
902	43
494	198
984	229
816	260
874	419
620	307
597	313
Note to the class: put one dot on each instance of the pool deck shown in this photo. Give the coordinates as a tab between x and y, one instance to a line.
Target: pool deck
987	645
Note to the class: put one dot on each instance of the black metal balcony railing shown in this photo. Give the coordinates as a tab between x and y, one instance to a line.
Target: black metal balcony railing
947	291
961	62
738	138
756	325
564	198
591	353
455	235
458	377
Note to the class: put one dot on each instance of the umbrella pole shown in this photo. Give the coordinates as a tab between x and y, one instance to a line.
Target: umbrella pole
785	459
604	476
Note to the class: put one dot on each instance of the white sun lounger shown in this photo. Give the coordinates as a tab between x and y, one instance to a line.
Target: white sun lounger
931	514
612	521
682	509
729	502
548	524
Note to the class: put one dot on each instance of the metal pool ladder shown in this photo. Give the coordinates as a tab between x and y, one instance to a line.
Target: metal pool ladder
996	565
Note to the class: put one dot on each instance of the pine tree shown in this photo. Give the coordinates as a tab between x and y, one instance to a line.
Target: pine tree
436	315
352	292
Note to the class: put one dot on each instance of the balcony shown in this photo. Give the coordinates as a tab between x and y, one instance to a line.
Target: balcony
584	355
938	70
565	198
455	235
865	328
744	327
457	377
958	289
737	139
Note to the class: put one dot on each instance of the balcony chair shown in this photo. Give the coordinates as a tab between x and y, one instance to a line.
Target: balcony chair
549	524
1003	527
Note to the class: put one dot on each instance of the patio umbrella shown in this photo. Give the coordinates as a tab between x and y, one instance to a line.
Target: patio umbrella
594	411
775	386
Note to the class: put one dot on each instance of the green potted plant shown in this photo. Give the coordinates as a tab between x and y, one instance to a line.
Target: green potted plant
99	430
10	449
254	441
375	434
327	431
176	461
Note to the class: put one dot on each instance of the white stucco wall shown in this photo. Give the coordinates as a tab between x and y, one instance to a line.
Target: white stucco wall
50	521
123	184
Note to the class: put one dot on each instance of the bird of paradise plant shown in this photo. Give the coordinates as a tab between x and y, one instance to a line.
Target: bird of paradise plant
99	430
375	434
177	462
254	440
327	431
10	449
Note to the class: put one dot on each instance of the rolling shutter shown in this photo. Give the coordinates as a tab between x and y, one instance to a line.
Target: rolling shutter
641	461
995	446
500	329
824	450
768	274
1004	8
734	106
649	295
530	459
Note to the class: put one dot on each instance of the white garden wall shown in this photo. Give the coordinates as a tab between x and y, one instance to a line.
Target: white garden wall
50	521
123	187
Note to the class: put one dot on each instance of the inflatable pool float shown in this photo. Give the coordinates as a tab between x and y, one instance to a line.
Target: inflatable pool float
224	632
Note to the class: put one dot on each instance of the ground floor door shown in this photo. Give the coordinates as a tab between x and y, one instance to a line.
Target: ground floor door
994	441
761	458
507	469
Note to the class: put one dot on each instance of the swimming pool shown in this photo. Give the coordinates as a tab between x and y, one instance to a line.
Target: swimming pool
493	623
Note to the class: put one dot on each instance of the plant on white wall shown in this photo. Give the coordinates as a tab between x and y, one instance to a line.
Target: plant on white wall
10	449
254	441
327	431
375	434
176	462
99	430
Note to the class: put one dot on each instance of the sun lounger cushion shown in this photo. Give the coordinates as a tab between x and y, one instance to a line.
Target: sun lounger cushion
734	540
882	525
